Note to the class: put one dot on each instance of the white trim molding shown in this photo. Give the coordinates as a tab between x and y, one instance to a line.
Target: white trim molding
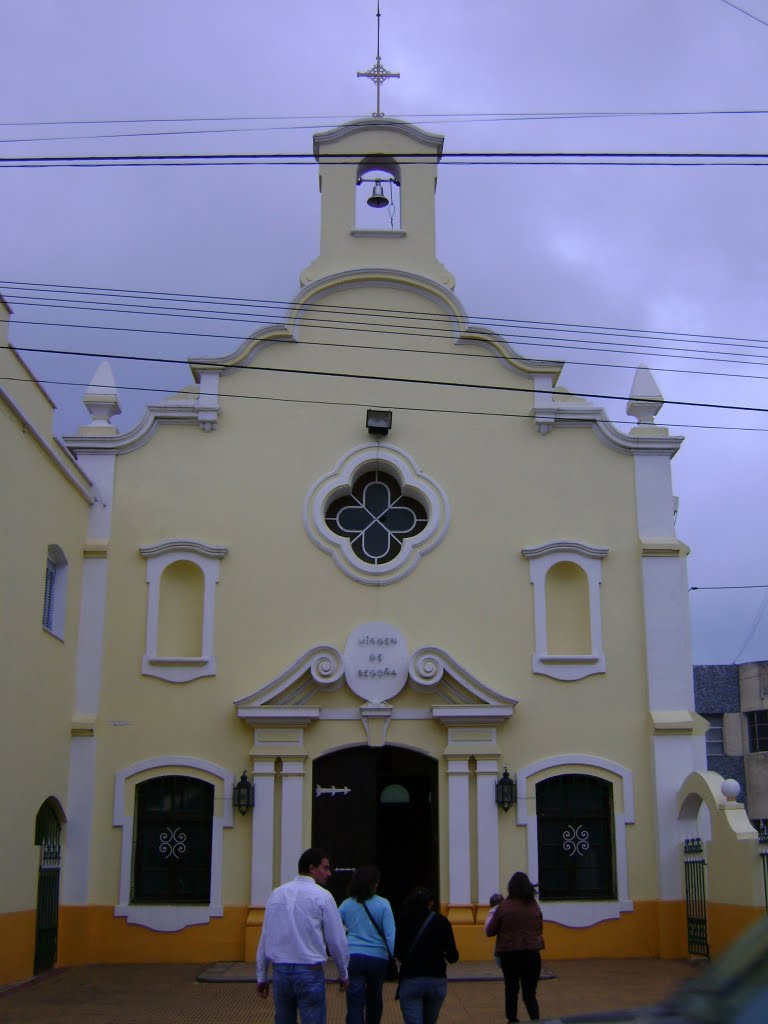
170	917
580	913
566	667
159	557
414	484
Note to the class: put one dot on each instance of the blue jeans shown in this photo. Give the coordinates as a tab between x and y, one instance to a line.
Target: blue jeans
366	978
298	987
421	999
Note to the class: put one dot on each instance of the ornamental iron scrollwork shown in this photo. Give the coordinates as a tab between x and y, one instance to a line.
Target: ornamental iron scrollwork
173	843
576	840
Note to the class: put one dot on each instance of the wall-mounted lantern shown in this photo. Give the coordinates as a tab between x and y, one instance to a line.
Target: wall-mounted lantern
242	794
506	791
379	421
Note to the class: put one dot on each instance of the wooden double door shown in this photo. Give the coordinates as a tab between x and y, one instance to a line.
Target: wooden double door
378	805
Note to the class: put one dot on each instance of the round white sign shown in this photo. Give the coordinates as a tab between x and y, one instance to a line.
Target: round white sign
376	661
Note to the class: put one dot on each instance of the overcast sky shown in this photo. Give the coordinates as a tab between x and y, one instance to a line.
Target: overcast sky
681	250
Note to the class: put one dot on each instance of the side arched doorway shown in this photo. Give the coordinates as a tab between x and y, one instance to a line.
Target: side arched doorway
378	805
48	838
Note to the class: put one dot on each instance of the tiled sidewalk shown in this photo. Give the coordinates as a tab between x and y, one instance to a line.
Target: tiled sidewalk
170	994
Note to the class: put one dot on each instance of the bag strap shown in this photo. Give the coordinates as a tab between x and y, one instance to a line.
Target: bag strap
419	933
378	928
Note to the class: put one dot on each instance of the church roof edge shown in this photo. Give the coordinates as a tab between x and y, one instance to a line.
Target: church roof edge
364	124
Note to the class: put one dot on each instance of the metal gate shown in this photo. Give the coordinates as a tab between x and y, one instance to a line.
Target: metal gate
47	837
696	897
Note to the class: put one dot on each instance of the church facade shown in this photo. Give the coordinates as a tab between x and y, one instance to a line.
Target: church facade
366	567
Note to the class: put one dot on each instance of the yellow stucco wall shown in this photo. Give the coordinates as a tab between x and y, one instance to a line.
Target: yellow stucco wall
40	507
244	485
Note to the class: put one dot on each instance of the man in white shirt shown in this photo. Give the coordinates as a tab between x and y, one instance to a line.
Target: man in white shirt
301	926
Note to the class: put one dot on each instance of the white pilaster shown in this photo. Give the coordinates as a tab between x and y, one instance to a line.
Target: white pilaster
458	831
90	649
262	832
487	835
292	823
82	784
676	750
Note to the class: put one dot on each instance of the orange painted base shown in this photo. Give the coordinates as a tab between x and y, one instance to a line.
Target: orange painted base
727	922
89	935
93	935
650	930
17	941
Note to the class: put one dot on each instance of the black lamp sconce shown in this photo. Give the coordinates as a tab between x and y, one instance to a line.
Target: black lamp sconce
242	794
506	791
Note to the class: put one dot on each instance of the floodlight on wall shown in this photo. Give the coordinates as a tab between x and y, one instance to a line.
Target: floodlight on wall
379	421
506	791
242	794
377	199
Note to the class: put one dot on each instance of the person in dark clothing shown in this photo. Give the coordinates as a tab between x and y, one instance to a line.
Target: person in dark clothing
518	925
423	944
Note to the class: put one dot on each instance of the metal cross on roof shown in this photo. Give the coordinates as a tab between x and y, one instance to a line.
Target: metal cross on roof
378	73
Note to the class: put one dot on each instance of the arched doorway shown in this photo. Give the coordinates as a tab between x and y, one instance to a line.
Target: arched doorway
378	805
48	838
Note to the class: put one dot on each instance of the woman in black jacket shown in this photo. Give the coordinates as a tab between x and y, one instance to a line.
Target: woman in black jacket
423	945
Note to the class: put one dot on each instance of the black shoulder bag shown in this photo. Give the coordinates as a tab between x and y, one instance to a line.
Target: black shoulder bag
393	974
412	946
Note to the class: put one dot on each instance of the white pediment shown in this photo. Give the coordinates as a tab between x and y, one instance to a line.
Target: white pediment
296	695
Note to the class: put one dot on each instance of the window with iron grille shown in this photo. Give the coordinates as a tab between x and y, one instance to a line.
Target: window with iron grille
575	838
50	588
757	730
715	739
172	842
376	517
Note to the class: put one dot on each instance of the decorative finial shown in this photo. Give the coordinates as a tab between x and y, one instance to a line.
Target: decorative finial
645	399
100	398
378	73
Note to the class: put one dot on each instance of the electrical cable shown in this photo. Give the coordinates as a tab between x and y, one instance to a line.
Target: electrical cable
363	405
550	344
480	320
433	115
741	10
339	375
455	159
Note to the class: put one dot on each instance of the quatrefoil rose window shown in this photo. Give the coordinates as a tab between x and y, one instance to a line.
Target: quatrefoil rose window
377	517
376	514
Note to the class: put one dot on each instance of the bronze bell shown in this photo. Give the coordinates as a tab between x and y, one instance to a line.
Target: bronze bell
377	199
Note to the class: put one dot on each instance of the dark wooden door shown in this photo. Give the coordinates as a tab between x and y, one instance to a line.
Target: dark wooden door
344	812
378	806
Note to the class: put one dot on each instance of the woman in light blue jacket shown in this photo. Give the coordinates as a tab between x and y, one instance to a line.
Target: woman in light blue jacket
370	928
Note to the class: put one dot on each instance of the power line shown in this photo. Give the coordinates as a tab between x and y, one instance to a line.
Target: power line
282	305
551	344
341	375
630	348
741	10
362	405
333	120
744	586
451	118
451	159
366	326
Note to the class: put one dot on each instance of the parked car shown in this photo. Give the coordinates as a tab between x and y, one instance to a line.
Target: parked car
733	989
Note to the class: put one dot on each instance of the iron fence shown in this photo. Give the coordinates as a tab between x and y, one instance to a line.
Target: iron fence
695	867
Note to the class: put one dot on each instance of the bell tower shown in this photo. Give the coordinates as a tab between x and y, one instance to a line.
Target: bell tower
394	165
378	177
